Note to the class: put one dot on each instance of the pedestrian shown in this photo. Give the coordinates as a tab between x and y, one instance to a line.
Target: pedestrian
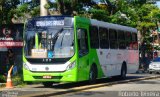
6	66
10	58
146	63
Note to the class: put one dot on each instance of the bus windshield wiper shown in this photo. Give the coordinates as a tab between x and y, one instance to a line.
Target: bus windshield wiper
56	36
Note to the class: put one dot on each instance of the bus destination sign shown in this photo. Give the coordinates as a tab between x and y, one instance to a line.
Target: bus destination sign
48	23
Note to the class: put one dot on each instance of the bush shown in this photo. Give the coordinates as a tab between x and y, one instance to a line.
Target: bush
2	78
18	80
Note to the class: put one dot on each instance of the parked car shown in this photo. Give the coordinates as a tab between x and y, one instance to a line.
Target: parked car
154	66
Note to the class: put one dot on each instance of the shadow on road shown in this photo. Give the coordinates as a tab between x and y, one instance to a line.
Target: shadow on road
86	83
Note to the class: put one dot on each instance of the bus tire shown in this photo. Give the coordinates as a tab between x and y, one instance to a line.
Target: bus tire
123	71
47	84
93	74
150	72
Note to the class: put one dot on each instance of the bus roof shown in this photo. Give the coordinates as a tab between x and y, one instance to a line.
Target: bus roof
94	22
112	26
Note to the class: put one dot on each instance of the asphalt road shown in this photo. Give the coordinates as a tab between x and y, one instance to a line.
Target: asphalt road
82	88
143	88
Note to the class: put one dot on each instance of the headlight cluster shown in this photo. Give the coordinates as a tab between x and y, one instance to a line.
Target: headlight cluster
71	65
25	66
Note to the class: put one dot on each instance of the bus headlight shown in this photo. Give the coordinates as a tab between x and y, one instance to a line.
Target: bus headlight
71	65
25	66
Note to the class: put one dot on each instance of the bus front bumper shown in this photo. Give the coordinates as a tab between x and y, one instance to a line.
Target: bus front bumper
66	76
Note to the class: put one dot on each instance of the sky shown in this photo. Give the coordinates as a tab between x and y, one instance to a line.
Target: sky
158	4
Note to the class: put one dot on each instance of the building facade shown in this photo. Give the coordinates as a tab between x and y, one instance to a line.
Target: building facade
11	37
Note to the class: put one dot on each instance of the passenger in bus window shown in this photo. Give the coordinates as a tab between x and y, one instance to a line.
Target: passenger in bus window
135	46
129	47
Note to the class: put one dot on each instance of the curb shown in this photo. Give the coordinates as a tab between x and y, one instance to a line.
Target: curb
137	79
89	87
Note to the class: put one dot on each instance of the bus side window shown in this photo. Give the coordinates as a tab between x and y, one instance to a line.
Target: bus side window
103	34
94	39
82	42
113	39
121	40
128	38
134	41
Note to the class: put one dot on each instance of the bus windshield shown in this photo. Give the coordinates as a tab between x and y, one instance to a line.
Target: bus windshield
49	43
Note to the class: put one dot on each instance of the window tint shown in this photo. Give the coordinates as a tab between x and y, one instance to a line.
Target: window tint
121	40
82	41
94	40
103	34
113	39
134	37
134	41
128	40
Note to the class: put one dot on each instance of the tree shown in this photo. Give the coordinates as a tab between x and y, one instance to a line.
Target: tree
69	7
27	10
111	6
7	10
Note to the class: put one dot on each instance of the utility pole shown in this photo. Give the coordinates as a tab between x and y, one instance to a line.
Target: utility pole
43	10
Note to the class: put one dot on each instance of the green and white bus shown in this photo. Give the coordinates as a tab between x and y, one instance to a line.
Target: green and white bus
72	49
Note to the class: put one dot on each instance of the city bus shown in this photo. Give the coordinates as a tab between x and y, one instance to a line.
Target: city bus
73	49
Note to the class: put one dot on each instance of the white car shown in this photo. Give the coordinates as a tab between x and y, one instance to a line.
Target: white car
154	66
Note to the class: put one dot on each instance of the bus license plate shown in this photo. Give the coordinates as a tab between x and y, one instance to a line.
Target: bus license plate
47	77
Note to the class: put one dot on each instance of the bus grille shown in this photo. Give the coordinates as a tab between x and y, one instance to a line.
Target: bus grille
53	77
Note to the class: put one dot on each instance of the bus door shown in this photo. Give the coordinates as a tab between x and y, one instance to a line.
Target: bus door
83	54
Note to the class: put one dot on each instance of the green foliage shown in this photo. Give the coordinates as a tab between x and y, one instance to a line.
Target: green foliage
6	12
147	25
18	80
2	78
157	48
27	10
99	14
21	10
47	6
35	11
23	7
